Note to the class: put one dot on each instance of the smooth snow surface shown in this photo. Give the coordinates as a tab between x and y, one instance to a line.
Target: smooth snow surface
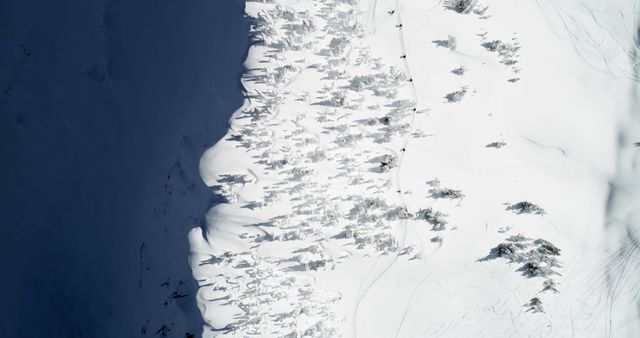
411	168
105	109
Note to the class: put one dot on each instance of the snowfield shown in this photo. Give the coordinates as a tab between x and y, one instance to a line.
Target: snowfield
415	168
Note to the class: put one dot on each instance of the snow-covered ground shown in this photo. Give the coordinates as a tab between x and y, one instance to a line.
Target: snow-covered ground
412	168
105	109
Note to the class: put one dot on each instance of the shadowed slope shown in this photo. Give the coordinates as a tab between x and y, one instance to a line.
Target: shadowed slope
106	108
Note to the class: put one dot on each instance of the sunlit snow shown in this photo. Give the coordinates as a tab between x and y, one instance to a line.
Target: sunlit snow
415	168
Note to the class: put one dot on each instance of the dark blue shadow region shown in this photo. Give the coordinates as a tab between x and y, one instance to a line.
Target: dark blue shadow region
106	108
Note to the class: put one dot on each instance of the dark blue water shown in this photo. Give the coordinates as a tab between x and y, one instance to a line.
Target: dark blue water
106	107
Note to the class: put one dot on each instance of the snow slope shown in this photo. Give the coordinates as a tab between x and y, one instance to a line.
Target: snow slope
105	109
402	168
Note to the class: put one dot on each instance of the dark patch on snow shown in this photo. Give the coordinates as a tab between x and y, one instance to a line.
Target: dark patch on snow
539	258
459	71
436	191
498	144
534	305
526	207
460	6
449	43
456	96
435	218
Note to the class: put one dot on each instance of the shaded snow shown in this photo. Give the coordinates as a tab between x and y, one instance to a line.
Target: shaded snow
106	108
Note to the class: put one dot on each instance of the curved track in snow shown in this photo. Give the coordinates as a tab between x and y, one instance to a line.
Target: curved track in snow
357	224
362	293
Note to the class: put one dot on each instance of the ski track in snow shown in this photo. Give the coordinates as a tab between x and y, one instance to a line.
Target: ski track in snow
330	230
403	225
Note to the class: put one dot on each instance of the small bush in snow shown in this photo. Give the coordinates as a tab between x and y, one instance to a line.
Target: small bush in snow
348	140
459	71
315	265
435	218
398	213
539	256
493	46
534	305
386	120
481	11
317	155
284	74
374	203
385	242
498	144
360	82
368	210
456	96
546	248
518	238
549	285
388	162
297	174
526	207
338	99
337	46
291	235
449	43
506	51
536	269
509	251
437	191
278	164
406	251
460	6
448	193
361	239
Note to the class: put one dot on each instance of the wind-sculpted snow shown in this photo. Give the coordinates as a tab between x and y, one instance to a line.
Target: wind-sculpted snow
318	117
411	168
